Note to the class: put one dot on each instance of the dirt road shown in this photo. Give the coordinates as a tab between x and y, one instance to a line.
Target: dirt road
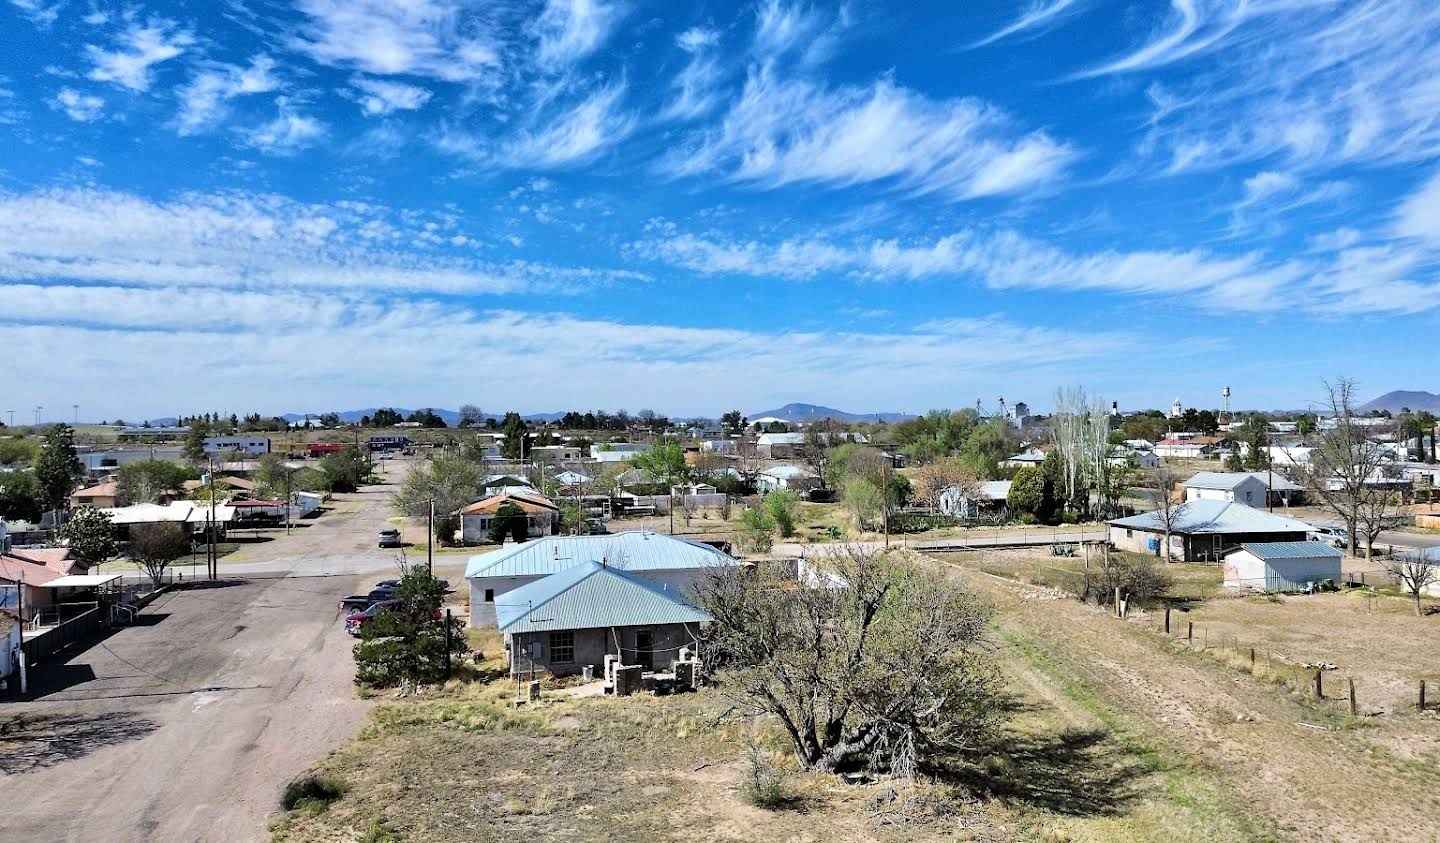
187	725
1329	780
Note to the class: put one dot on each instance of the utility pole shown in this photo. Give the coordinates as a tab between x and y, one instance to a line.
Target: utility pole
885	504
212	556
430	543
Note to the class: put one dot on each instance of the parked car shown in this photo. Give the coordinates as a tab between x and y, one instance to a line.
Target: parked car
1333	536
354	623
390	537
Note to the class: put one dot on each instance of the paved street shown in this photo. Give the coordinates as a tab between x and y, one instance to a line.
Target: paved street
187	725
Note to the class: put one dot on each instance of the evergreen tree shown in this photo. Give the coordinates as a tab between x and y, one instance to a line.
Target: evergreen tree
58	467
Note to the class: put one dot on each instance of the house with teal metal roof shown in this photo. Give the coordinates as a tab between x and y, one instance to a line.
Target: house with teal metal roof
673	564
572	619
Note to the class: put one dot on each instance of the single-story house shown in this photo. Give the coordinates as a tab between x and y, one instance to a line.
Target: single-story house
499	484
262	509
674	565
988	497
33	569
1281	566
720	446
791	477
193	514
250	446
1252	488
776	446
697	488
1032	457
558	453
100	496
237	484
541	514
1205	530
572	619
616	451
1195	448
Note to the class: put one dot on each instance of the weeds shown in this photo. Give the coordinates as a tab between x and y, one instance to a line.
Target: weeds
312	793
764	779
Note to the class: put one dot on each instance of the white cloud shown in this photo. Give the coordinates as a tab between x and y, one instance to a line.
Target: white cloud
379	97
781	132
289	132
1419	213
364	346
244	241
204	102
570	30
573	137
1315	83
783	29
697	38
79	107
1265	184
42	14
1036	16
140	48
440	39
696	91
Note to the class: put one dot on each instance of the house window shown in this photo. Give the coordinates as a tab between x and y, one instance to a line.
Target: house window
562	647
489	595
1128	534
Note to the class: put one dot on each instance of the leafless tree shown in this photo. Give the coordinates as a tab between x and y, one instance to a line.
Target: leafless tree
471	416
1414	574
932	479
1345	464
876	659
155	546
1168	511
689	507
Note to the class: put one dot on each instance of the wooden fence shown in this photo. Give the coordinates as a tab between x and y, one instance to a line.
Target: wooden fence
78	628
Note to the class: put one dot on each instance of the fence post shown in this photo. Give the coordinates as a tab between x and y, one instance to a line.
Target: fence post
1167	620
1252	658
1190	632
1422	695
1353	711
1319	686
1117	601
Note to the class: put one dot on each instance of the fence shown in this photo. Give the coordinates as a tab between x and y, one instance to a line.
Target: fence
38	647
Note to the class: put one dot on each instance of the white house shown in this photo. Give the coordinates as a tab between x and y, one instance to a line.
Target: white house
674	565
1141	459
1247	487
1281	566
990	495
774	446
1204	530
1031	457
542	516
250	446
791	477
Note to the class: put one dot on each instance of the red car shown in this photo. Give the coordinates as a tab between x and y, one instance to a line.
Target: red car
354	623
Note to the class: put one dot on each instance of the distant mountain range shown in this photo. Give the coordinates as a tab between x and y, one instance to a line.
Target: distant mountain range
1416	400
806	413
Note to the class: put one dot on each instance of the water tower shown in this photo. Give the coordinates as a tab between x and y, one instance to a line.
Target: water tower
1225	403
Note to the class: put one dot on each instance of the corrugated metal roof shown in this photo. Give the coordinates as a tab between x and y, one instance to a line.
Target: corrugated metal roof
636	550
589	596
1292	550
1229	480
1216	517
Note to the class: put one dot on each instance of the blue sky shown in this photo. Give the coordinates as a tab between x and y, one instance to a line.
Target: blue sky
325	204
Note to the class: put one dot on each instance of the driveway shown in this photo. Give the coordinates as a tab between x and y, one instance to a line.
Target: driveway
187	725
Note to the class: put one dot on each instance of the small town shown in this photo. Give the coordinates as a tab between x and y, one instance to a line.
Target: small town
788	421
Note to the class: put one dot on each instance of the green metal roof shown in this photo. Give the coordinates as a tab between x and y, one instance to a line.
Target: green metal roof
589	596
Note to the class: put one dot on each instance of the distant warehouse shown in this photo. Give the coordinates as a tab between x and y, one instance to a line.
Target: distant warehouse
250	446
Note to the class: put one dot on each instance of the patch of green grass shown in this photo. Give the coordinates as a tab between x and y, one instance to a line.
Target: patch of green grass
380	833
312	793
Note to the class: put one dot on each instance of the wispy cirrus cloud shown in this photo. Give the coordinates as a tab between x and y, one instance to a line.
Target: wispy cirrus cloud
695	88
252	242
570	30
785	131
574	136
139	49
1037	16
379	97
290	131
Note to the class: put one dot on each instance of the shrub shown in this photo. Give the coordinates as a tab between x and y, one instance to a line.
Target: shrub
764	783
757	531
780	506
312	792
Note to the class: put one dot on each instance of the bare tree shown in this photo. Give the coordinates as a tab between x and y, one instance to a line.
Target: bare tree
1414	574
933	479
1168	511
155	546
689	507
471	416
872	659
1344	464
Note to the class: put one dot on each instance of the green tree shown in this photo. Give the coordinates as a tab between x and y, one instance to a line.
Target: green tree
344	470
410	640
517	437
450	480
89	535
864	500
147	481
509	520
1028	493
20	496
757	531
666	462
386	417
17	450
780	505
733	421
58	468
195	441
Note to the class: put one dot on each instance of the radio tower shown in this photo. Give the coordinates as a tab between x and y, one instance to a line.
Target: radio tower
1225	404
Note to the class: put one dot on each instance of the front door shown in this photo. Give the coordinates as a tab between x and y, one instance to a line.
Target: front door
645	648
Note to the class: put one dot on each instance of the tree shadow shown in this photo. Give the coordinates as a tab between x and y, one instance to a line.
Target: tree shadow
1073	772
30	742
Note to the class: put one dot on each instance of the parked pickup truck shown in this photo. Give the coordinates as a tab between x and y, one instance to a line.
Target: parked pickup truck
355	623
360	601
